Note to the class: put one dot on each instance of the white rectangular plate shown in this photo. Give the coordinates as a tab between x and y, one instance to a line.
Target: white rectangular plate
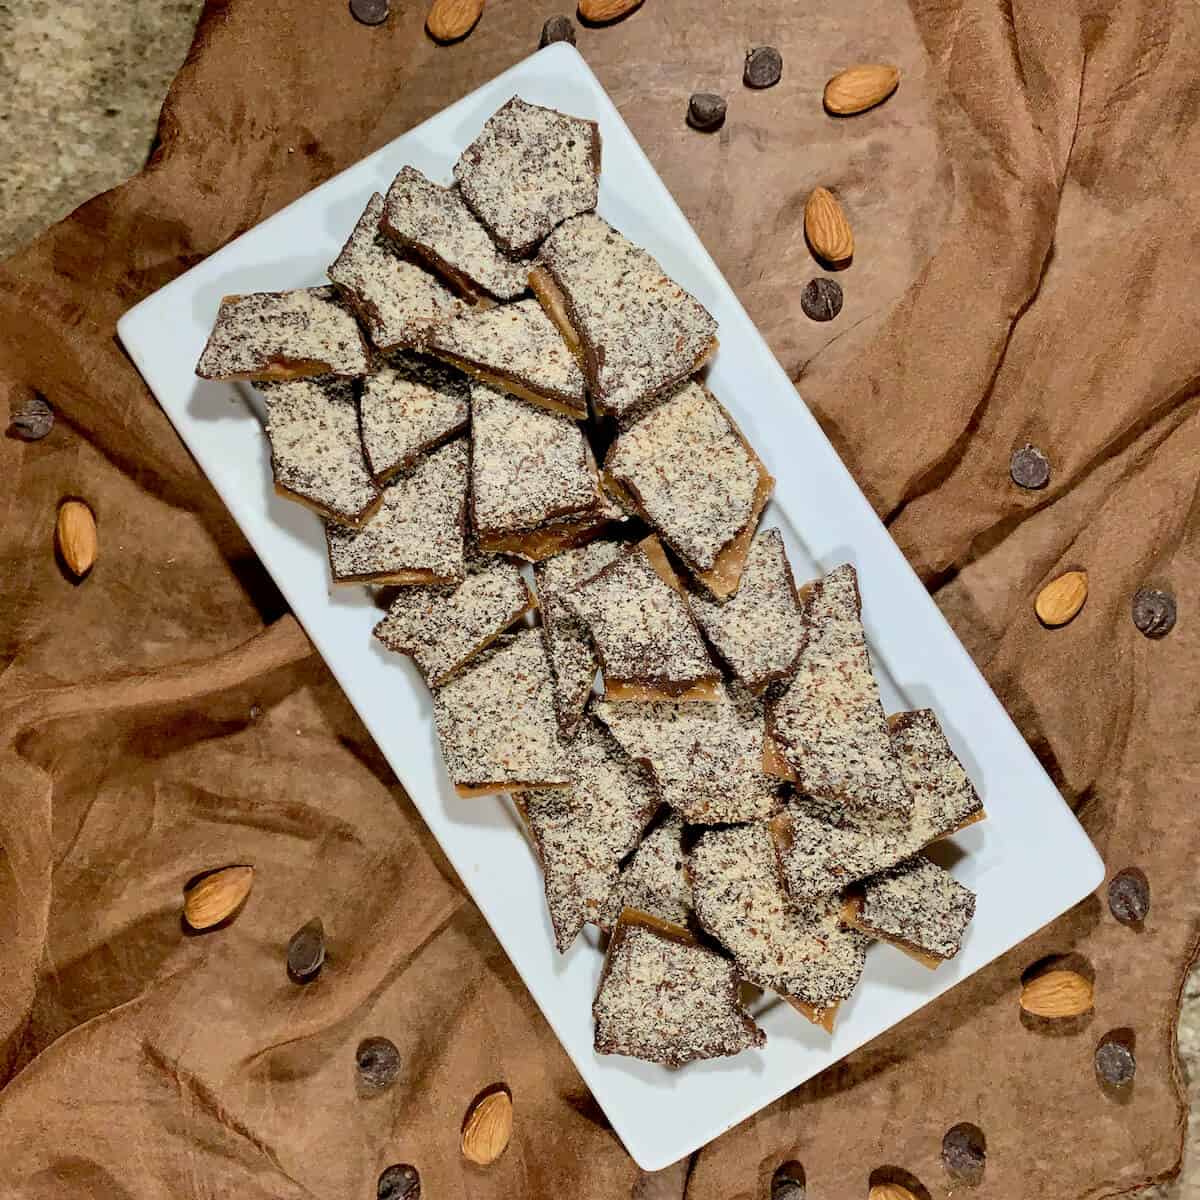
1028	862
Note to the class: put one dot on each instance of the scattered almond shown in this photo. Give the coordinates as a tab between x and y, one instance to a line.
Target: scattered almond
606	10
217	896
890	1191
1057	993
76	533
1062	598
449	20
856	89
488	1128
826	226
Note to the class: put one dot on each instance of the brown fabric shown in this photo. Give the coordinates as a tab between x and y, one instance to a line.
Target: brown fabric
1027	231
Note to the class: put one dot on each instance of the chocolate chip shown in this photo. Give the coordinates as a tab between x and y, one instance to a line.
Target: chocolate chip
402	1181
1129	896
306	951
557	29
378	1063
788	1182
32	419
1029	468
706	111
764	66
1115	1063
1154	612
369	12
821	299
964	1153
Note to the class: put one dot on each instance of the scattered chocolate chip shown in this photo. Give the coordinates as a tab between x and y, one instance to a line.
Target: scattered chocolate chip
369	12
255	712
306	951
32	419
1154	612
402	1181
378	1062
1115	1063
821	299
788	1182
1029	468
706	111
764	66
1129	896
557	29
964	1153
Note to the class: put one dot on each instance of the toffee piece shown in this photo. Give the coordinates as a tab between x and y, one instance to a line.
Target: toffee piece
760	632
434	224
515	347
557	535
916	906
496	723
654	880
410	406
707	758
689	471
284	335
444	628
528	466
398	301
316	454
573	660
582	832
417	534
666	999
829	722
529	169
648	644
821	852
639	333
798	951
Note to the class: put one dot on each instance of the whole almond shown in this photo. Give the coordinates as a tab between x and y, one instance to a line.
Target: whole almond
76	534
827	229
488	1127
1057	993
449	20
217	896
603	11
890	1191
1062	598
856	89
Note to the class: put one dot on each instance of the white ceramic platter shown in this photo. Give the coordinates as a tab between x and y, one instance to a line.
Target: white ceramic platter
1028	862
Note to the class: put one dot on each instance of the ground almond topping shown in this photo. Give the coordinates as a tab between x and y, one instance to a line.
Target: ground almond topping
690	472
706	756
528	170
760	631
829	723
920	905
444	627
418	528
669	1003
516	342
799	951
262	335
641	626
398	301
642	333
528	465
315	450
654	880
582	832
495	719
409	406
435	222
573	661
